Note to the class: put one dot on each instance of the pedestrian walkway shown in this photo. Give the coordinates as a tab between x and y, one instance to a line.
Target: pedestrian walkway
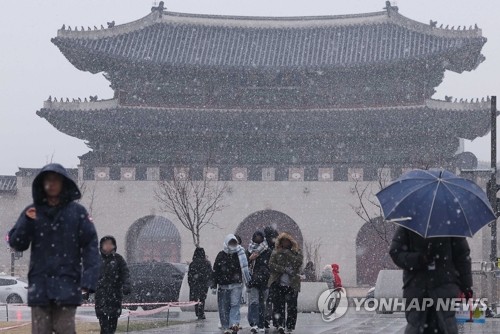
311	323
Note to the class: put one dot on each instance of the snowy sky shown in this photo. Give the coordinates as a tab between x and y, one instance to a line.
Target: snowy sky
32	68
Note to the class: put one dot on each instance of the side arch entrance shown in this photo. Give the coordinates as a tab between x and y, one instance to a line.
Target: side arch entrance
372	251
153	238
260	219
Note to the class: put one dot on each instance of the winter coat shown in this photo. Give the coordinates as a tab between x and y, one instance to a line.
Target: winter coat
452	260
286	261
337	282
261	271
113	283
327	276
452	273
199	274
227	269
64	255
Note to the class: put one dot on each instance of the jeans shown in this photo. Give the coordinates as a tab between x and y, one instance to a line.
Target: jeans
229	299
53	319
257	298
285	307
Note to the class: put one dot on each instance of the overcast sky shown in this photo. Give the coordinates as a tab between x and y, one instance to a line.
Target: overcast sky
32	68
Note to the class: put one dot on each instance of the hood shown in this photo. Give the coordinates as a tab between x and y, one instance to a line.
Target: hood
199	254
284	235
270	234
107	237
70	190
335	267
227	239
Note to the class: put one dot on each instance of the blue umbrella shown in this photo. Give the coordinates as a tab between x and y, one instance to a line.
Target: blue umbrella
436	203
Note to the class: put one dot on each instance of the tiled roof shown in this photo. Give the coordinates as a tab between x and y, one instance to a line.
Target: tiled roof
197	40
8	183
465	119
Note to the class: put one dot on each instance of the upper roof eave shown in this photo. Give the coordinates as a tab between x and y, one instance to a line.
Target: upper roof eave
433	104
390	16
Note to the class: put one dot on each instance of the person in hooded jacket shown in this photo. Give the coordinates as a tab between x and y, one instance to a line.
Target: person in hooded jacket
258	254
64	261
435	268
271	234
331	275
228	277
199	280
113	283
285	265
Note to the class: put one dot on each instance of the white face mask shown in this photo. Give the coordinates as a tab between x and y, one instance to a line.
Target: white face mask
232	248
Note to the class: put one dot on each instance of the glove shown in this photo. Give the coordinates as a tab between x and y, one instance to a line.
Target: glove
85	295
289	271
468	293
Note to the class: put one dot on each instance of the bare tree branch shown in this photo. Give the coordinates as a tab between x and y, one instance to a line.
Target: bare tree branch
194	203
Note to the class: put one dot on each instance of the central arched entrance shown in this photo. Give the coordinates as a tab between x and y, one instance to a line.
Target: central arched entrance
153	238
260	219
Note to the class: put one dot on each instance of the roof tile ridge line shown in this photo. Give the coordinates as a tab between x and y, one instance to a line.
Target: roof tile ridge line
101	104
413	106
484	103
272	18
116	30
418	26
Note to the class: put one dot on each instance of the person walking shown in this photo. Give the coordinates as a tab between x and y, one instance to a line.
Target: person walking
435	268
271	234
64	261
229	272
285	265
258	254
113	283
199	280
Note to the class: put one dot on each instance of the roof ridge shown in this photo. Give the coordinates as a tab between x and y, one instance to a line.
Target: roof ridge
113	103
389	16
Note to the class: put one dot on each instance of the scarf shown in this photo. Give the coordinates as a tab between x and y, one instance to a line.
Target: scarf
254	247
242	257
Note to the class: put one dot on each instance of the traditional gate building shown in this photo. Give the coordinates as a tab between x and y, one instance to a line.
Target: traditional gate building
292	112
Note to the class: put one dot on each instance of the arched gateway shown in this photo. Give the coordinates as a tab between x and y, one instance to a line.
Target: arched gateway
153	238
260	219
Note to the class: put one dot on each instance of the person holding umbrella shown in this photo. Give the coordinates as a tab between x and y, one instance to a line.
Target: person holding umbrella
436	210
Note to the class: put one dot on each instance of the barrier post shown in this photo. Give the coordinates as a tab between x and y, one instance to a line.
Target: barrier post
128	321
7	310
168	315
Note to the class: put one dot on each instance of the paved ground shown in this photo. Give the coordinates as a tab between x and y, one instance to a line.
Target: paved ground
309	323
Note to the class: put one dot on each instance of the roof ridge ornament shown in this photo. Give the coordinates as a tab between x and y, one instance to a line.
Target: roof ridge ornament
390	7
160	8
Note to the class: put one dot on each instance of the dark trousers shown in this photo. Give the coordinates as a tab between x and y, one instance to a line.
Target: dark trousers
199	295
285	307
108	323
54	318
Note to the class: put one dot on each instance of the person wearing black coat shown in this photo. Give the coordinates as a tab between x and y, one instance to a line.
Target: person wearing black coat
271	235
199	280
64	259
257	287
436	268
113	283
